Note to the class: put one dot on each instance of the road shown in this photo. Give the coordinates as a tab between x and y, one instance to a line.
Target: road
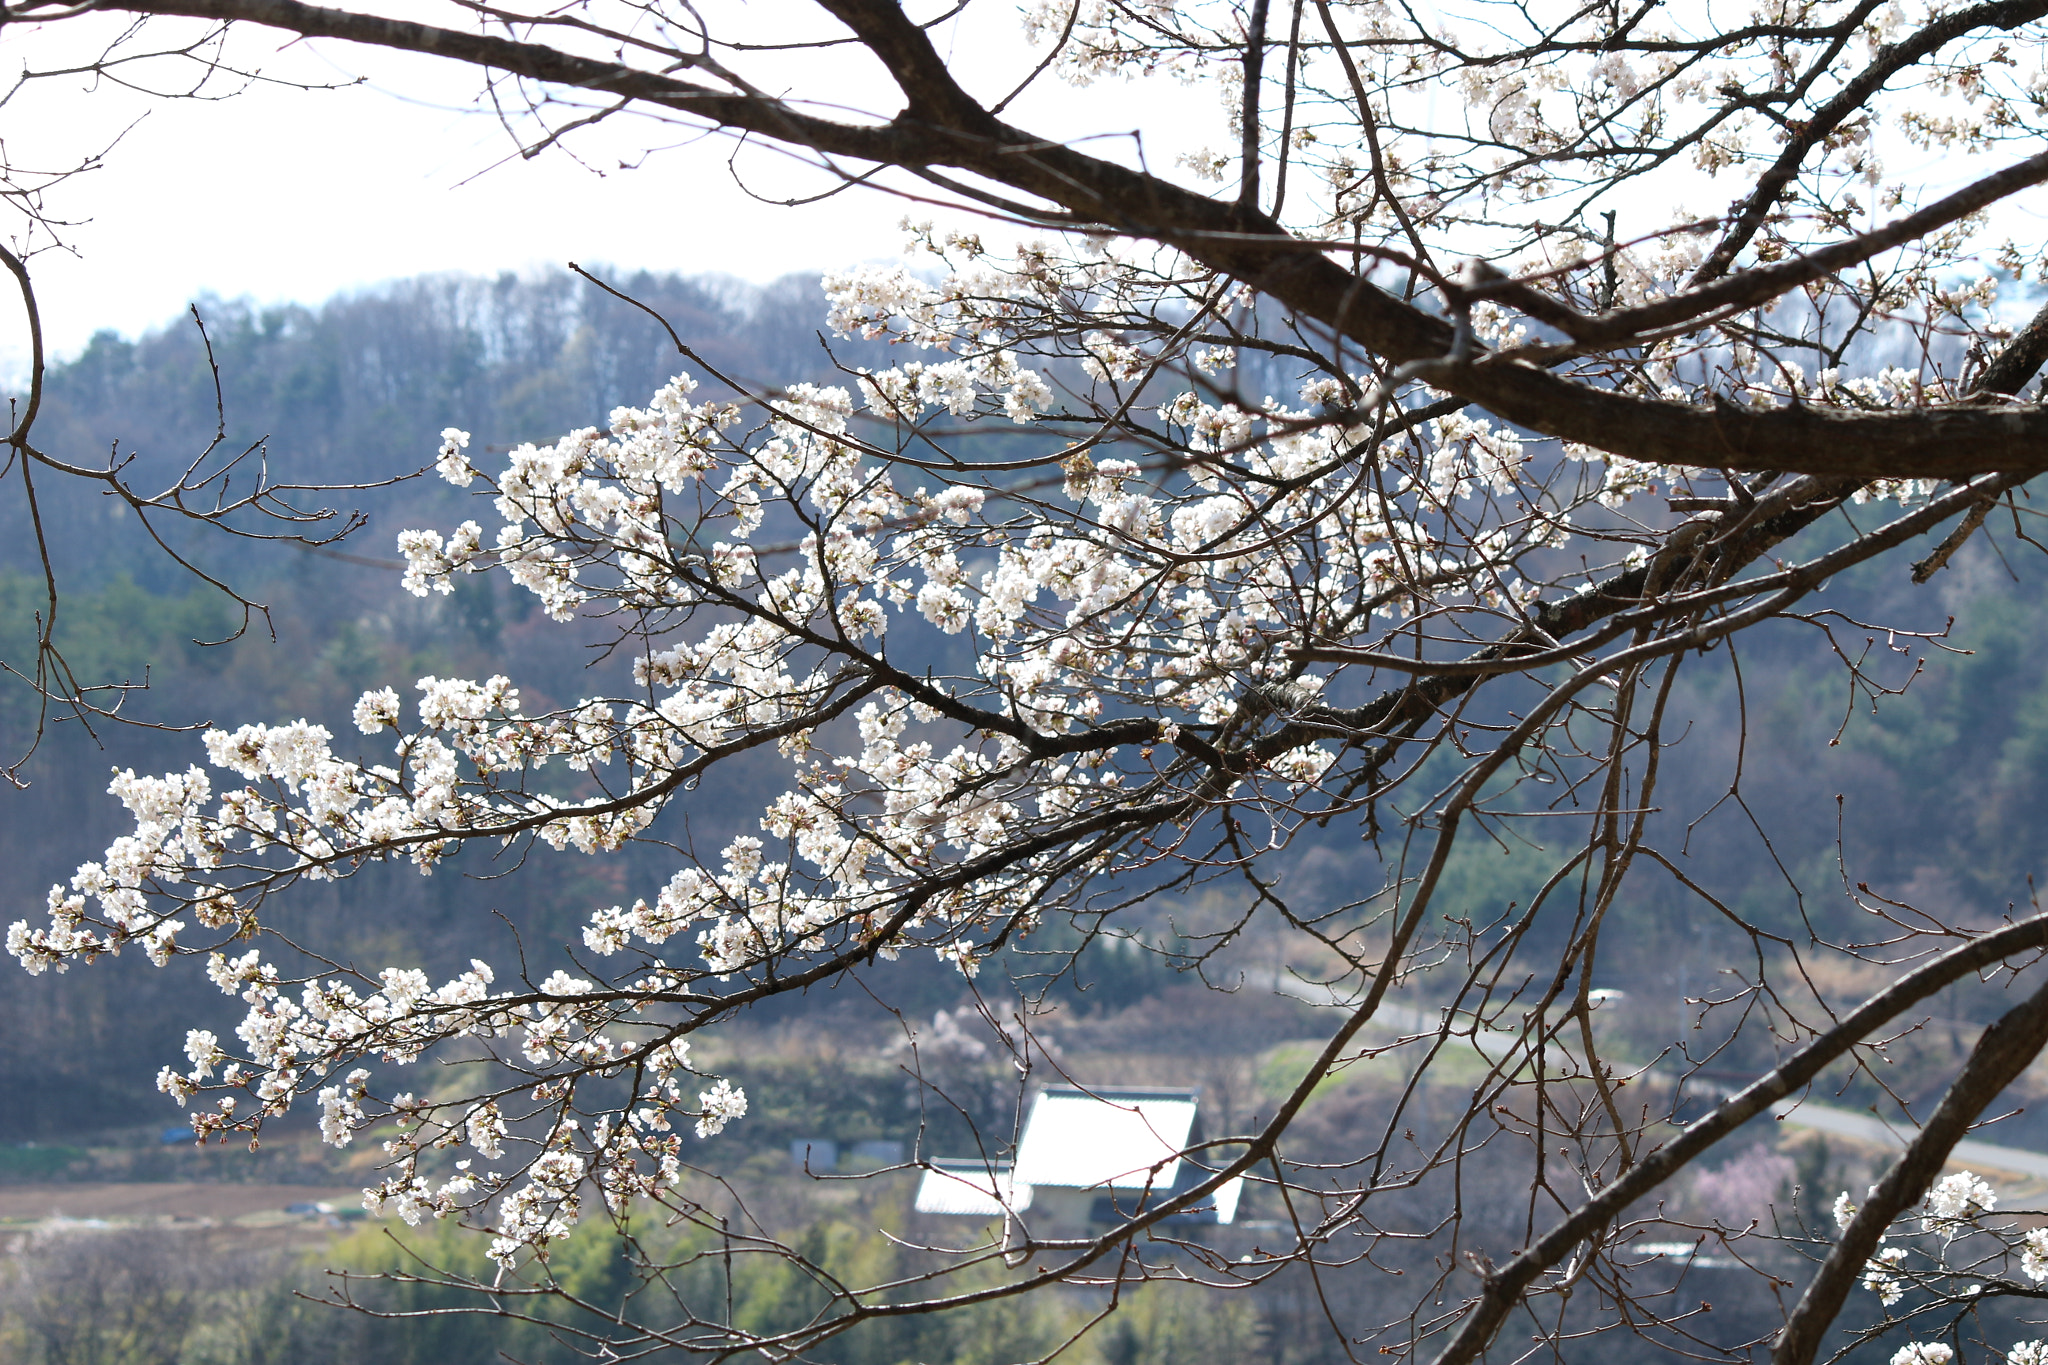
1494	1044
164	1202
1848	1123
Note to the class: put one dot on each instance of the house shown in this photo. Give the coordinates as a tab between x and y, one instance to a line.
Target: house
971	1188
1088	1156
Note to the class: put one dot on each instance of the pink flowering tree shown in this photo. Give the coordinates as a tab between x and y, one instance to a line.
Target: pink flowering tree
1381	470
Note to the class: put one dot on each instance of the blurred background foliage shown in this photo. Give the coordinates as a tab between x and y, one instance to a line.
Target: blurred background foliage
180	1298
1938	797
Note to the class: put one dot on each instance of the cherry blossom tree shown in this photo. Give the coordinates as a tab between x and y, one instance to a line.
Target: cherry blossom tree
1381	471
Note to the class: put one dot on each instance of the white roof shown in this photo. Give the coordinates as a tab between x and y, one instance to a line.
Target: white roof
1226	1199
971	1188
1091	1138
1220	1207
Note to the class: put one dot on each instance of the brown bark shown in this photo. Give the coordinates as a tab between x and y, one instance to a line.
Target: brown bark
1505	1286
2007	1048
941	125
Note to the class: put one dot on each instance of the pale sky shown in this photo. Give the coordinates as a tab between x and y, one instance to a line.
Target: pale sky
289	195
281	194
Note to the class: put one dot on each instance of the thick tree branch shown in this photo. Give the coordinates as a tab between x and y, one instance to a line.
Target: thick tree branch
1770	186
2006	1049
1755	288
1953	442
1505	1286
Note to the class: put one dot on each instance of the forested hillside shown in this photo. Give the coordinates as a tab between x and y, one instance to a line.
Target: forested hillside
1945	784
354	392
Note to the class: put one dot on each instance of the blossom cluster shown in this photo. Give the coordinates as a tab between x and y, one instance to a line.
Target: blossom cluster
1956	1211
1139	613
1132	592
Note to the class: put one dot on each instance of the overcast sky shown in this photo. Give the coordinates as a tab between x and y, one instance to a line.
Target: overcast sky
284	194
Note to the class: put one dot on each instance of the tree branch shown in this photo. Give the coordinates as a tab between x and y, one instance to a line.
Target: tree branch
1505	1286
2006	1049
1955	442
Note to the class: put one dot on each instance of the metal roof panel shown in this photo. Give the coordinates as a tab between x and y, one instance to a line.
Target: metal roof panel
971	1188
1114	1137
